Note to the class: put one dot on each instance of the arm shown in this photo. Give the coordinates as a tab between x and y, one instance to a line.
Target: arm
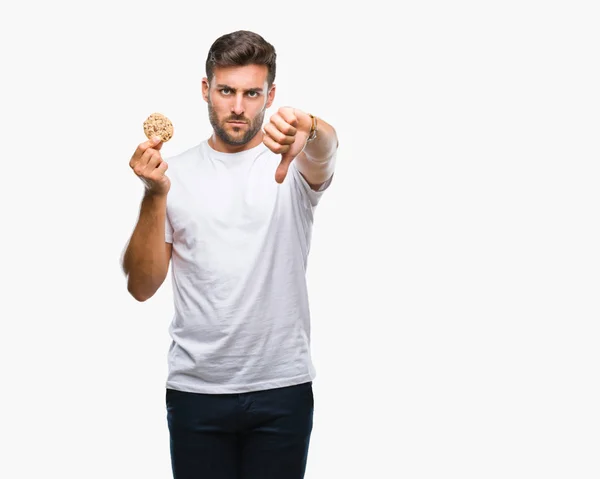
146	259
317	161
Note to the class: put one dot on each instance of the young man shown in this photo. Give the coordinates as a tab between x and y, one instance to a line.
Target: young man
234	218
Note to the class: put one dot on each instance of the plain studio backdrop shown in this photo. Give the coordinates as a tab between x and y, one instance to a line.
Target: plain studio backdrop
454	269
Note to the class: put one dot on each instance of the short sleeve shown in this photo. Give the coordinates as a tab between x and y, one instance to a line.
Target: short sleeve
168	229
313	196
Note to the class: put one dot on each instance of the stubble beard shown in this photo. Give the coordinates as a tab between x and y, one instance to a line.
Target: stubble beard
255	126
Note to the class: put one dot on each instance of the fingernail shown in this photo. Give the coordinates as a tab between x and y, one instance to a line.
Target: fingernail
156	139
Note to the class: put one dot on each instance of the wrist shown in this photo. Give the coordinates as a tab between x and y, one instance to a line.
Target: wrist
155	196
314	128
304	121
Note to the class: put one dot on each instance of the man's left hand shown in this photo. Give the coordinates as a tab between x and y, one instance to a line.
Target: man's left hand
286	134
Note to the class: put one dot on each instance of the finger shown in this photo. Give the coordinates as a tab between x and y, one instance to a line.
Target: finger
162	167
277	135
274	146
283	125
289	116
153	163
155	143
286	159
140	164
158	174
282	169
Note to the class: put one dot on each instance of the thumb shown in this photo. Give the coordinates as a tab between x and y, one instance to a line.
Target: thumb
157	143
282	169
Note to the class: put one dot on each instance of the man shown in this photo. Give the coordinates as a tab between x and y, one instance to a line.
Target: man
234	218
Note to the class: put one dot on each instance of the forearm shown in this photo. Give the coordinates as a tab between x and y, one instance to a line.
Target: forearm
318	161
145	262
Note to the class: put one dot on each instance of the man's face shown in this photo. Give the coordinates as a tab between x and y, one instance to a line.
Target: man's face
237	99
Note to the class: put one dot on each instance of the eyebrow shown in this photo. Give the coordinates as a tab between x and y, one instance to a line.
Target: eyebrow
221	85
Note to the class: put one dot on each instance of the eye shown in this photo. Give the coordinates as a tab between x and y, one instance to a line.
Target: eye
252	94
225	91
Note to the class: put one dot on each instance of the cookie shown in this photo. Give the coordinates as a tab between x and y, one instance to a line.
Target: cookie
158	125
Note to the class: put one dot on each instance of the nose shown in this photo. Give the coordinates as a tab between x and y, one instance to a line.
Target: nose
238	105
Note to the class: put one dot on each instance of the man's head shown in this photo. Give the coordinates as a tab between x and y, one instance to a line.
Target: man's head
239	85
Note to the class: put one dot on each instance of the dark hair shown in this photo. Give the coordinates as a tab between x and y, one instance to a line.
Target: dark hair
239	49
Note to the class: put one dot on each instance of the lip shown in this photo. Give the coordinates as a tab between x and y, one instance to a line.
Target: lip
237	122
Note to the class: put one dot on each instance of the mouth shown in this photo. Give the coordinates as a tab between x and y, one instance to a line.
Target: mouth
237	123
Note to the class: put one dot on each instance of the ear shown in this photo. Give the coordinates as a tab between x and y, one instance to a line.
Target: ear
205	88
270	96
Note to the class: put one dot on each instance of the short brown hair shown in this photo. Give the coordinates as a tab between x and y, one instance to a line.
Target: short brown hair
241	48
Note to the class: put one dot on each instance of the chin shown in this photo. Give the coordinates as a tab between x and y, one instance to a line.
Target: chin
235	141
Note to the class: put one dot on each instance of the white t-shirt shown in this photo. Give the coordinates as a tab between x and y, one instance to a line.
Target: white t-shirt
240	248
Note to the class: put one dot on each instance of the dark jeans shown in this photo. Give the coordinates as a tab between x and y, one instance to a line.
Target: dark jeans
255	435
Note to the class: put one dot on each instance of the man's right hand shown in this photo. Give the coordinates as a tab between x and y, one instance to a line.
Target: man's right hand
148	165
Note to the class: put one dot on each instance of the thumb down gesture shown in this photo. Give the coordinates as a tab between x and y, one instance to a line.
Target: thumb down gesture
286	134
